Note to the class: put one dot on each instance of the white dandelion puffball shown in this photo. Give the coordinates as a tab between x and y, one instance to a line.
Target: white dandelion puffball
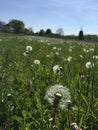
36	62
29	48
63	90
57	68
26	53
69	59
89	65
95	57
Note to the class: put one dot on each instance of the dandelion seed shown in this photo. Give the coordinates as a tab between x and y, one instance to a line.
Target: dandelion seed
29	48
62	94
89	65
36	62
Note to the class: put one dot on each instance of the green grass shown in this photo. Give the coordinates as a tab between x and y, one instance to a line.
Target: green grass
23	84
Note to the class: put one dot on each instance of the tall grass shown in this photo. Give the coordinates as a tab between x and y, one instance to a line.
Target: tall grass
23	84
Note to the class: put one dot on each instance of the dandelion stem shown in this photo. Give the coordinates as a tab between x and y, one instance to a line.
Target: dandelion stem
53	118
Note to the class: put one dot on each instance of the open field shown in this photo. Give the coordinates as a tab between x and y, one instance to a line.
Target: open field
29	66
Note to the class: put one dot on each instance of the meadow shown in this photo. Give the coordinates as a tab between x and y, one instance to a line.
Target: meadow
32	68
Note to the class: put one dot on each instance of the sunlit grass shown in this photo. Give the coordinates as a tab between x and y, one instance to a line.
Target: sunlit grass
24	80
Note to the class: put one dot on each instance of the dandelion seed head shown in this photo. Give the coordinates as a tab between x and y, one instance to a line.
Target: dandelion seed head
0	40
57	69
26	53
61	91
69	59
36	62
57	53
70	50
95	57
89	65
29	48
54	48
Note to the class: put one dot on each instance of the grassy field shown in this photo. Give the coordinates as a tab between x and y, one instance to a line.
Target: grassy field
34	69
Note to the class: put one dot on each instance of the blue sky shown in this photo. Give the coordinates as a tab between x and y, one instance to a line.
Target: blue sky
70	15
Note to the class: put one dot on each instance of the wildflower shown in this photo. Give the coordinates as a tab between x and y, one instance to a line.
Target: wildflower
0	40
91	49
48	56
58	95
59	49
89	65
95	57
74	126
29	48
70	50
36	62
57	53
9	94
69	59
85	50
57	69
49	44
54	48
26	53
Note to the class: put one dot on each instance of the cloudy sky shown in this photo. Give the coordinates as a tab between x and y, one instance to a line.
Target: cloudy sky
71	15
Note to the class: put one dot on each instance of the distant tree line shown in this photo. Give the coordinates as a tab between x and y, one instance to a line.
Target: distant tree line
15	26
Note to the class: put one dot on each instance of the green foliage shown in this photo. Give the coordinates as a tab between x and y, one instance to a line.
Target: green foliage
16	25
48	32
23	83
81	35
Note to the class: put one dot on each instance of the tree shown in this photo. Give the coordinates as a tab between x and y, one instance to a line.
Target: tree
42	32
81	36
31	30
48	31
16	26
60	31
2	24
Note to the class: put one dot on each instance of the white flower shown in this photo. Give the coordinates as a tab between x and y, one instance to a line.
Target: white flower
70	50
59	49
29	48
0	40
26	53
95	57
36	62
91	49
54	48
9	94
60	89
57	69
57	53
85	50
69	59
48	56
89	65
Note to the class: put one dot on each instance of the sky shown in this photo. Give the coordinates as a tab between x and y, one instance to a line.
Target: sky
70	15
